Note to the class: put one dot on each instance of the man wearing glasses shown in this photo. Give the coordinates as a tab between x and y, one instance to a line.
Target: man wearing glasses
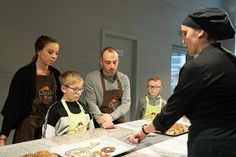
107	91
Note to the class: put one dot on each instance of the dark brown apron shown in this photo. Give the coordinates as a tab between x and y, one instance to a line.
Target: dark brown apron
111	99
31	126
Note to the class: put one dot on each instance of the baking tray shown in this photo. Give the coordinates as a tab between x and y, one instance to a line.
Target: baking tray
158	132
30	154
181	133
104	141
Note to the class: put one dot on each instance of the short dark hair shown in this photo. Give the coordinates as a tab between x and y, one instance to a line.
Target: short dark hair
109	49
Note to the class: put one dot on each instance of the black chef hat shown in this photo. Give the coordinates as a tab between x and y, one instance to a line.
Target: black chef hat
214	21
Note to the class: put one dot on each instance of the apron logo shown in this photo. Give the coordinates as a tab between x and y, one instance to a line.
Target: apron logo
45	95
80	124
114	104
153	114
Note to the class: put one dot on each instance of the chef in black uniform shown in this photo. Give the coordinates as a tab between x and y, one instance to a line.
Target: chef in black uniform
206	91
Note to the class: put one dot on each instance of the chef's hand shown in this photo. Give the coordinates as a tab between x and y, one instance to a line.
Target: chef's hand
3	140
2	143
106	121
136	137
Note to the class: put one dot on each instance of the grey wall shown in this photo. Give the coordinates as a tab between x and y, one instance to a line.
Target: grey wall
230	7
77	24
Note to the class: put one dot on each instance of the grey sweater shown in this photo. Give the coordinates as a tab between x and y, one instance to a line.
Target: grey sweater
94	93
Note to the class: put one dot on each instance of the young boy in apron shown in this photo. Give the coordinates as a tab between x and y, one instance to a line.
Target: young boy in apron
68	115
152	103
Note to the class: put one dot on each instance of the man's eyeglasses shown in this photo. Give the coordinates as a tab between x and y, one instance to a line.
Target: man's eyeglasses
76	90
153	87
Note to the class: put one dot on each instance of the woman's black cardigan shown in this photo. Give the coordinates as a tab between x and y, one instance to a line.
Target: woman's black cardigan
20	97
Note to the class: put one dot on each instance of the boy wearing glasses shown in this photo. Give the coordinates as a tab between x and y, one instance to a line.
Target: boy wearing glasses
68	115
151	104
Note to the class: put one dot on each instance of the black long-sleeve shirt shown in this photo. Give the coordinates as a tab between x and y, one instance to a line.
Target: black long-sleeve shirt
206	90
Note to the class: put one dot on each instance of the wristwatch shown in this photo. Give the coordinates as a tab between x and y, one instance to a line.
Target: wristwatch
144	130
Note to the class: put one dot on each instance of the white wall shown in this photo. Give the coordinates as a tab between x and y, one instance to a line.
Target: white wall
77	24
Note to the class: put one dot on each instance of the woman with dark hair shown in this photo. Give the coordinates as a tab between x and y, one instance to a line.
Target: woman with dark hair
34	88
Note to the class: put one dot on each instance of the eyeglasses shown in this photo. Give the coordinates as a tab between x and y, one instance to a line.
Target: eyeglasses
153	87
76	90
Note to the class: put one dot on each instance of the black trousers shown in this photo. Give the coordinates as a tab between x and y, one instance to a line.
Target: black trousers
212	140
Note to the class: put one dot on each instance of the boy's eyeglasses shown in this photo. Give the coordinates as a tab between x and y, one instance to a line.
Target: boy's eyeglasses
154	87
76	90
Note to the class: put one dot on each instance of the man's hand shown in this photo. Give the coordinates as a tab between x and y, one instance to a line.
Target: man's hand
106	121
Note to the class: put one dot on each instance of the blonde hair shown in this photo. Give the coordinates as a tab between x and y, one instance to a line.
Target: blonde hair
69	78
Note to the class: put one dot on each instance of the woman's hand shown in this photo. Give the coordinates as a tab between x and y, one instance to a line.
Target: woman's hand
136	137
2	143
3	140
141	134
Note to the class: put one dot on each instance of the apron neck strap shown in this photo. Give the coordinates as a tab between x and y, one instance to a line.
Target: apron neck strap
103	82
